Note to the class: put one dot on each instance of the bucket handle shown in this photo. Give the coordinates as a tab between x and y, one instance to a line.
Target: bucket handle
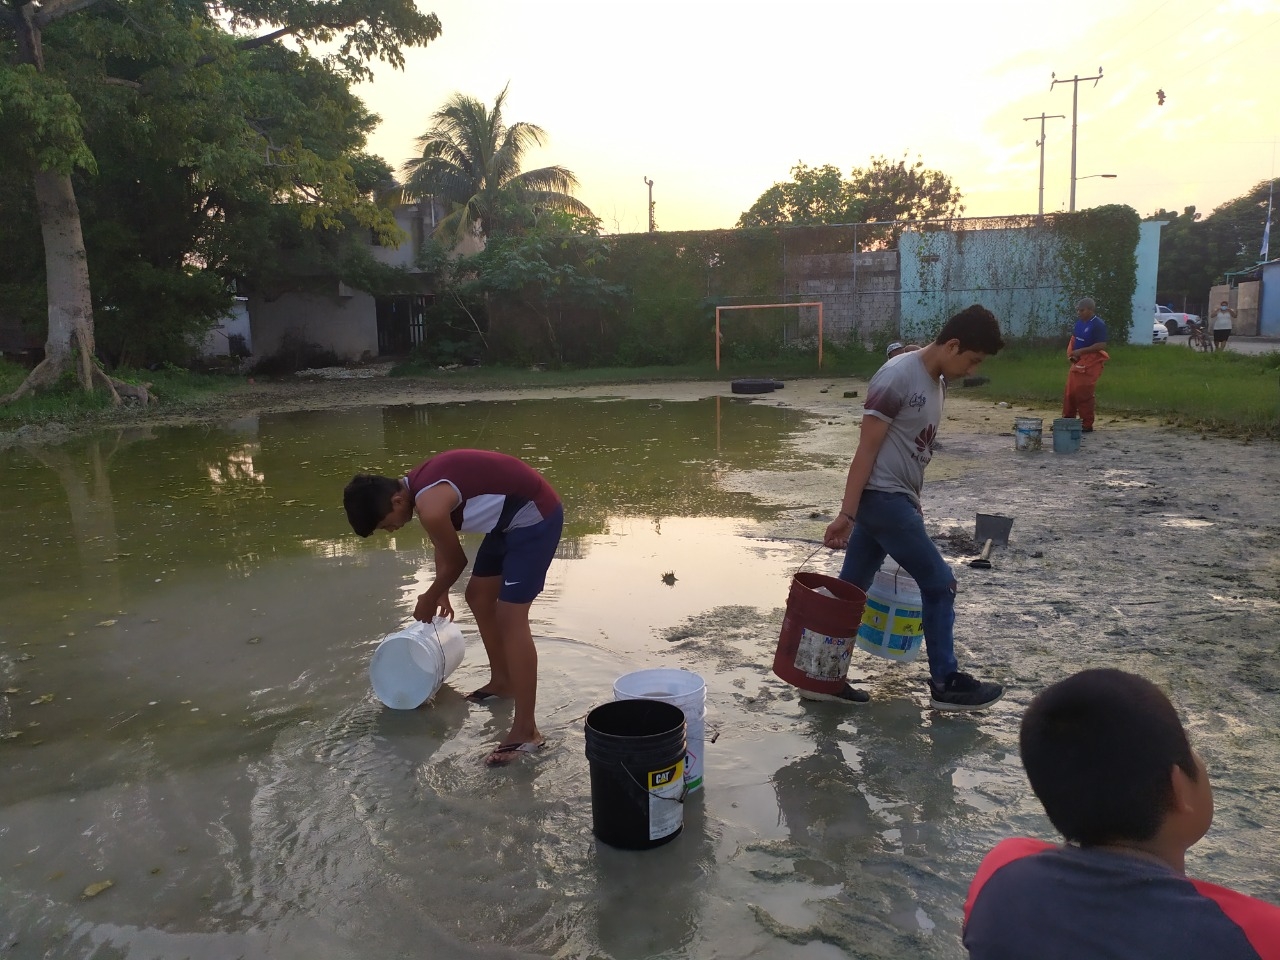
684	790
805	562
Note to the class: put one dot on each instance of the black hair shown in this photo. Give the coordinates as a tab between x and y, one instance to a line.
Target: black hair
976	328
368	500
1098	749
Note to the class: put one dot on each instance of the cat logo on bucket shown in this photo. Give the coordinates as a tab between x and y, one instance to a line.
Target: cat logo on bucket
666	776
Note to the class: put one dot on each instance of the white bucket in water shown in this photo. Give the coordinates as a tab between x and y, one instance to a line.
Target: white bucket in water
685	690
410	664
1028	433
892	620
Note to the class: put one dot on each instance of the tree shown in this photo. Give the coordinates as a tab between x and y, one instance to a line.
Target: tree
1197	252
470	161
189	78
814	195
884	191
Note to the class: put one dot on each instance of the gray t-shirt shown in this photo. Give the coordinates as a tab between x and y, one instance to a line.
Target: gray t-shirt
903	393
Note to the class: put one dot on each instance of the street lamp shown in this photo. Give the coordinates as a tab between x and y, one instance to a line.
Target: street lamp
1089	176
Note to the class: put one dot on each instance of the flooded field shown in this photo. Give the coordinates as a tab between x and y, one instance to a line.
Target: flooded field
187	623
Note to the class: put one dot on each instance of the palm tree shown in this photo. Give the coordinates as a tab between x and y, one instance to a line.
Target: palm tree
471	163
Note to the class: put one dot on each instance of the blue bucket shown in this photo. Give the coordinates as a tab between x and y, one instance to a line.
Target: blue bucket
1066	434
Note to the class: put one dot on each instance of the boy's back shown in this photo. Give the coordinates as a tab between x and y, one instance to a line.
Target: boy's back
1032	899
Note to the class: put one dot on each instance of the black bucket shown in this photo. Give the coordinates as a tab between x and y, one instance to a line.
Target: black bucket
636	751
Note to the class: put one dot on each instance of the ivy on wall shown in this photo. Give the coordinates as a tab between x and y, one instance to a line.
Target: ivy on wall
1098	250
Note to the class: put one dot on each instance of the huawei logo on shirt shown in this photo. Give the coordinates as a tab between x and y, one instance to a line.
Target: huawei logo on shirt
924	442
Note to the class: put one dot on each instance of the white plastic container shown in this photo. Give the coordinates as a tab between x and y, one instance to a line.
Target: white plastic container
683	689
1028	433
409	665
892	621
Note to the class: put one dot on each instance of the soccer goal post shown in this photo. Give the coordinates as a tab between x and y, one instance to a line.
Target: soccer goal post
770	306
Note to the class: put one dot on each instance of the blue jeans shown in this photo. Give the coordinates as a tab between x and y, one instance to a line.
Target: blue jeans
891	523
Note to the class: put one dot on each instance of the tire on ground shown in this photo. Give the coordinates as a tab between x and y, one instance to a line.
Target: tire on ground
753	386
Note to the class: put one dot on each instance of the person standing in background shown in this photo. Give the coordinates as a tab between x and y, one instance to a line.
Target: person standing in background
1222	326
1087	352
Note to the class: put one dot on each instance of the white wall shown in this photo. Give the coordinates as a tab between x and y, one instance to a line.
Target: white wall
235	322
347	325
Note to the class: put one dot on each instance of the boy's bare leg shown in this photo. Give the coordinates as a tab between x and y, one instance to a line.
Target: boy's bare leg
521	658
482	597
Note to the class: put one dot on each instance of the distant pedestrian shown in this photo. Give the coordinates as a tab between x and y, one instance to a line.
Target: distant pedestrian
1087	352
1222	326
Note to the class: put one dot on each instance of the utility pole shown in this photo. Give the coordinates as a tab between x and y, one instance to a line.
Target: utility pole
1075	99
652	225
1040	143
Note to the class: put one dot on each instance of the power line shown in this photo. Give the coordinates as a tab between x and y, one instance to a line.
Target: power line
1252	36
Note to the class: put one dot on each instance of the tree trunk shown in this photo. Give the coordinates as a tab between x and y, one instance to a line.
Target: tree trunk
70	337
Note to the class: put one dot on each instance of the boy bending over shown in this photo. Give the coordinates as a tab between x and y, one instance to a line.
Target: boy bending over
478	491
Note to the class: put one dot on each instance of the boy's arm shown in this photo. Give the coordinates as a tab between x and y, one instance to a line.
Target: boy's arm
874	430
434	506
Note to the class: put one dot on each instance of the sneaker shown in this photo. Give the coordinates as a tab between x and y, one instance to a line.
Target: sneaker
963	692
847	694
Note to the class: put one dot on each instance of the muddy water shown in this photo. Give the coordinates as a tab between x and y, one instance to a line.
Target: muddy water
187	624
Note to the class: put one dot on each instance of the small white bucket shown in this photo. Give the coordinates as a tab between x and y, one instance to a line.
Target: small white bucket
683	689
1028	433
892	621
409	665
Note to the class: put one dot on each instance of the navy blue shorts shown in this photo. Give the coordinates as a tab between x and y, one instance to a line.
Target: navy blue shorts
521	556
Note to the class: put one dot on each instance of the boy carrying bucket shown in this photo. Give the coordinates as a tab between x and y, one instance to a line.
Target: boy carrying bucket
880	513
478	491
1109	759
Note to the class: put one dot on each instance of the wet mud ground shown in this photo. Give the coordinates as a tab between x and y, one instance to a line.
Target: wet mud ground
308	821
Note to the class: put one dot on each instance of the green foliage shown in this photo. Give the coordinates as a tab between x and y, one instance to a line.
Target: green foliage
170	389
41	120
203	150
1098	250
471	161
544	290
884	191
1196	252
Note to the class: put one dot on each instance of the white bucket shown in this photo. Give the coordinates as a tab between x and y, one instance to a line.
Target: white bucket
1028	433
892	620
683	689
410	664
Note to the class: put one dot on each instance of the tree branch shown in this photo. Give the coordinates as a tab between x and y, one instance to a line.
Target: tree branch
54	9
119	82
253	43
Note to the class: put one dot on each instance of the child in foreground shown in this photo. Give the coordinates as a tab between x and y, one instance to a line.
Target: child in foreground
478	491
1110	761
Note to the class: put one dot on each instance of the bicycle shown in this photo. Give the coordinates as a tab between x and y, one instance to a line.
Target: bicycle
1198	339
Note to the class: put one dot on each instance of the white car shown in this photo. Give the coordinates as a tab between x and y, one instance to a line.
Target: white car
1159	332
1173	321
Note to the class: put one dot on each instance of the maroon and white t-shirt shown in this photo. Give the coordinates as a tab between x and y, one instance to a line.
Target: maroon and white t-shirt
495	491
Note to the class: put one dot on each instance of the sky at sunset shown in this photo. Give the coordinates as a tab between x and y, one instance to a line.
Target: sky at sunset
715	101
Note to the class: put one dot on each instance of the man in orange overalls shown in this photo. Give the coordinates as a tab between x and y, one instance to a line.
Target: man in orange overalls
1087	352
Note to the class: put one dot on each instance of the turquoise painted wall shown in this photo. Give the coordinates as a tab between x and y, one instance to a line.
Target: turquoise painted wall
1015	273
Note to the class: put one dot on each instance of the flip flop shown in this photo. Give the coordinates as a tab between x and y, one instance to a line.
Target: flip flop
507	752
481	696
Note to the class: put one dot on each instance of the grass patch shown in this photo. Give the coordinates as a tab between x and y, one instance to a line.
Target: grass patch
67	403
1233	393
